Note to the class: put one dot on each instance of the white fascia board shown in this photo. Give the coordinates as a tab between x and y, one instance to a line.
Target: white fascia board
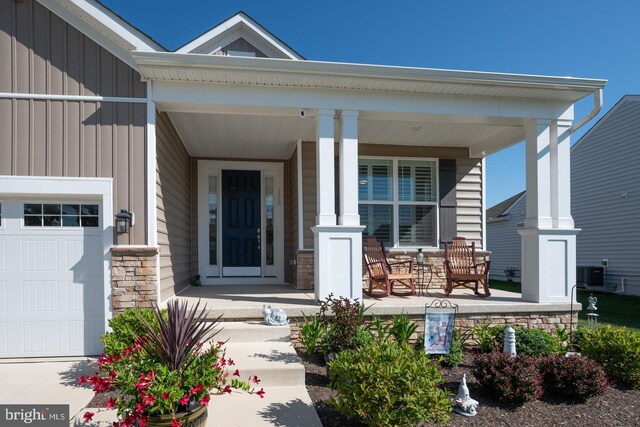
103	26
235	24
198	62
193	96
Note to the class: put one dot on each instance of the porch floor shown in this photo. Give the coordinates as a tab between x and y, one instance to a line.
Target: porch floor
244	302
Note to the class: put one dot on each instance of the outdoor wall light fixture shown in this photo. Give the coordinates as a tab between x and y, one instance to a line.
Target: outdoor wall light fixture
124	220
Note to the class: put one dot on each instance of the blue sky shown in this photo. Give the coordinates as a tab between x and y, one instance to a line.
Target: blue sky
580	38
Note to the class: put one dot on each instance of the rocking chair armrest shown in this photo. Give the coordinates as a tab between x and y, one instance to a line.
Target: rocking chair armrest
484	264
409	261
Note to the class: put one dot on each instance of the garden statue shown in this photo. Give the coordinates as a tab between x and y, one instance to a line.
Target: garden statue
509	341
465	405
274	317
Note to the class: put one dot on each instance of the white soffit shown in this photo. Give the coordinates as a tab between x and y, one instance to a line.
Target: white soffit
240	26
360	77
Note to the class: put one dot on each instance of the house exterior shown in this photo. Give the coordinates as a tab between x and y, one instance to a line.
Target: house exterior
604	180
243	163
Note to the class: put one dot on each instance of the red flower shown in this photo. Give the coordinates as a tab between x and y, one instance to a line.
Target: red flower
143	421
111	403
205	401
175	423
165	396
236	373
255	379
261	393
221	343
116	424
231	362
185	400
227	389
148	400
197	389
142	385
82	380
88	416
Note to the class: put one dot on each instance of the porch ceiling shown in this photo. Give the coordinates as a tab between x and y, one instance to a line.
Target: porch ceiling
263	136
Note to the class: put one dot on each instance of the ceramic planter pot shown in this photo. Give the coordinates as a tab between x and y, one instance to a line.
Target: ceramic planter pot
196	417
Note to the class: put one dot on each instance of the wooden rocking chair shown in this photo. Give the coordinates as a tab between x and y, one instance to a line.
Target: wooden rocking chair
382	276
462	269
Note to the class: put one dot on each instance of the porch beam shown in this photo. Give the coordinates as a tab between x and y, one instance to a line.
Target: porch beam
325	167
176	96
349	168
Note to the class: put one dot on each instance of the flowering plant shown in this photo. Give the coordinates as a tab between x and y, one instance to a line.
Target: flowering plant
167	372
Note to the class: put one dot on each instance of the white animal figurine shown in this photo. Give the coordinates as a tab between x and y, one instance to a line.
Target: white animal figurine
274	317
465	405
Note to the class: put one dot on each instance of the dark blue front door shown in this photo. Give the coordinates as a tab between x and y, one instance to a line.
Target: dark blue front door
241	219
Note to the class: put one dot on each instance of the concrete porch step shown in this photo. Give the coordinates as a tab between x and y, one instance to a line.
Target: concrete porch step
275	363
252	331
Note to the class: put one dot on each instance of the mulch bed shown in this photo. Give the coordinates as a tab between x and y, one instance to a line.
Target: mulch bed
618	406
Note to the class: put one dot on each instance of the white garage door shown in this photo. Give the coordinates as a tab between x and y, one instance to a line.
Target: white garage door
51	278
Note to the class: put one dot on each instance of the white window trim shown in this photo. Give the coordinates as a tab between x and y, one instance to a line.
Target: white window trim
2	215
396	203
48	187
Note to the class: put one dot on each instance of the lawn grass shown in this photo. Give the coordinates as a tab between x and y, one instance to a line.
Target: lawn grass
617	310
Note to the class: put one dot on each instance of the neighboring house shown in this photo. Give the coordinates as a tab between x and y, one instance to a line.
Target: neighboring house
605	202
240	161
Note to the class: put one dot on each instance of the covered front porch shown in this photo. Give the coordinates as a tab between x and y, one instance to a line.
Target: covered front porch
395	152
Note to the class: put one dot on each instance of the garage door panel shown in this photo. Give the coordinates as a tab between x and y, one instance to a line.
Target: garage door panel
51	289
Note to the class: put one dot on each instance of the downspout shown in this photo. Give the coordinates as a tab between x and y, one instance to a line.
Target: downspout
597	106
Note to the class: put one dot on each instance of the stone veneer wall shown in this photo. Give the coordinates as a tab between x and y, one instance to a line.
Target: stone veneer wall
304	277
134	277
465	323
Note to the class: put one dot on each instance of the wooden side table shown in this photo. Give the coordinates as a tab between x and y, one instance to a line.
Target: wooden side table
422	286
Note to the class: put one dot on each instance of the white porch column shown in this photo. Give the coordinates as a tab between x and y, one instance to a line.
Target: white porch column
337	248
325	168
548	236
349	169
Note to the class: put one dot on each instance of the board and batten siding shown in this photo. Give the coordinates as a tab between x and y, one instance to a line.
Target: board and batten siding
605	202
468	184
503	240
42	54
173	196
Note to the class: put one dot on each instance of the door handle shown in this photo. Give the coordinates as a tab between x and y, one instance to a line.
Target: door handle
258	237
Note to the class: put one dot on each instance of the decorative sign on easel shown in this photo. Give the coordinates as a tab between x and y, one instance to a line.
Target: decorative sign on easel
439	319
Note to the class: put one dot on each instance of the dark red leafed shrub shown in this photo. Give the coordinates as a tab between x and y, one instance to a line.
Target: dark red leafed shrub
508	379
572	376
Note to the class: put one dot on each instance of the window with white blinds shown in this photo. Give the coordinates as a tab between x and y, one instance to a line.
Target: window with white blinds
398	201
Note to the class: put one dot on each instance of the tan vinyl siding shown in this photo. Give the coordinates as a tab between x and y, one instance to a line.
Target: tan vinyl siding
604	167
469	199
241	45
173	182
40	53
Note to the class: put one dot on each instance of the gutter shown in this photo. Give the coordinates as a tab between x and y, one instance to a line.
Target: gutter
595	110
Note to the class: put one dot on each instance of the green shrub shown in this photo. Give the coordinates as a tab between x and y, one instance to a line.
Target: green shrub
509	379
342	320
311	332
402	329
530	341
572	376
126	327
385	383
616	349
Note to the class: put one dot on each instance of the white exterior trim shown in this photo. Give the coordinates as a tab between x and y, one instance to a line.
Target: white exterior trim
484	203
235	26
35	186
300	197
207	168
80	98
